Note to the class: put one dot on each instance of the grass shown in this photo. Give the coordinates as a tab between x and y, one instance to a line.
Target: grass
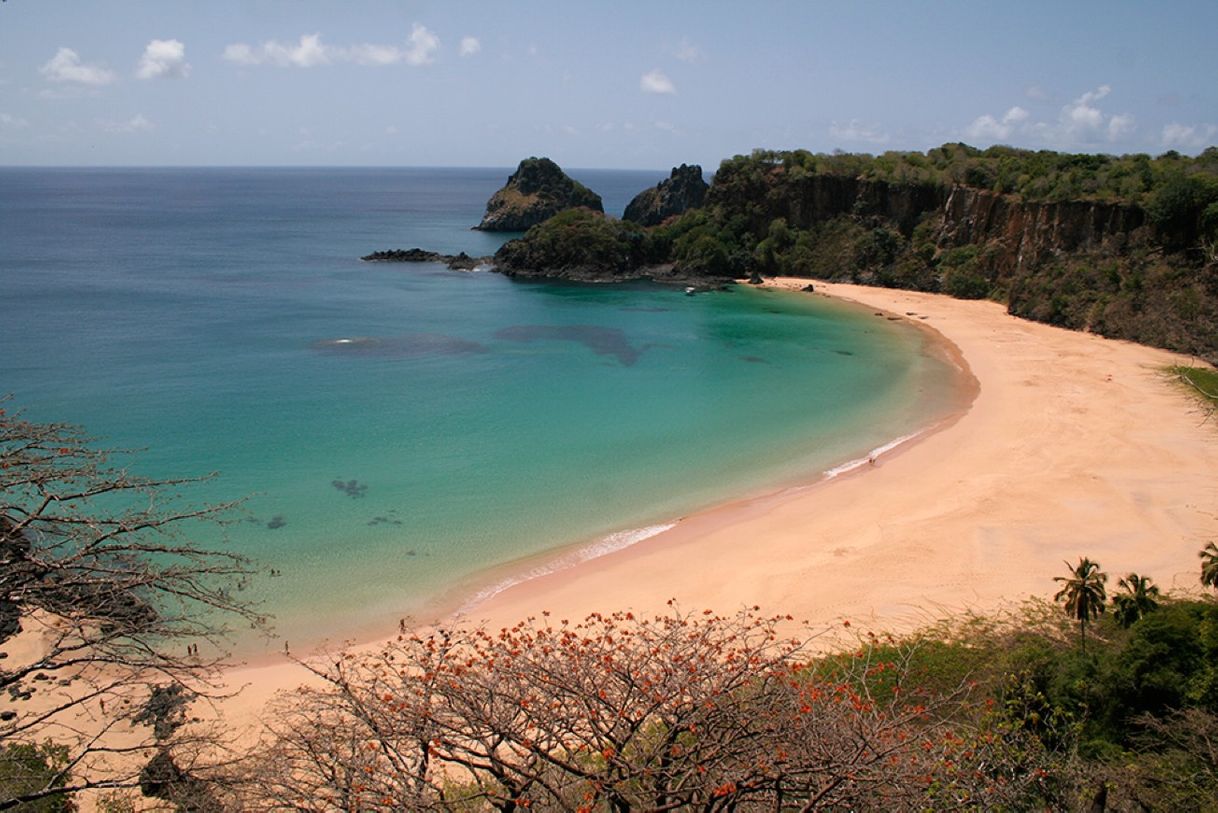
1202	380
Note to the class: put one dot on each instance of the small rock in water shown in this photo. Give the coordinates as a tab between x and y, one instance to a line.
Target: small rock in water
277	522
352	488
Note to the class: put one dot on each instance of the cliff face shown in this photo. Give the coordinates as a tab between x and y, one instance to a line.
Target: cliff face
683	190
537	190
816	198
1028	235
1029	231
1086	265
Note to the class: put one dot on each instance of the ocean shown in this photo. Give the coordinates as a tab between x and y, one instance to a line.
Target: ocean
402	434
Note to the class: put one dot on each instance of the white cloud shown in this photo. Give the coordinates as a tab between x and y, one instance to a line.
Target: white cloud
370	54
423	46
656	82
311	52
686	51
66	66
570	130
1120	126
855	130
986	127
240	53
1083	122
11	122
666	126
1036	92
307	53
136	124
163	59
1189	136
991	129
470	46
1015	115
1081	118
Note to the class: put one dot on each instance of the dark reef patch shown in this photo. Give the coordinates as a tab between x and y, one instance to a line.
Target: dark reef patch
384	521
604	341
352	488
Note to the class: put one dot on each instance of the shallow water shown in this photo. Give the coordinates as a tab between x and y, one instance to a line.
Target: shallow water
398	429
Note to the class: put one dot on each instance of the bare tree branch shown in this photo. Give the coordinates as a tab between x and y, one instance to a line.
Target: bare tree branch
103	598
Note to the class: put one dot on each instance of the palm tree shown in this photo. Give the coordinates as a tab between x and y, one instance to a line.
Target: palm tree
1083	592
1209	565
1139	598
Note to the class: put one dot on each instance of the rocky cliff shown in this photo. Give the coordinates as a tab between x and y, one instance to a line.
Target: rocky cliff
683	190
1107	267
1029	234
537	190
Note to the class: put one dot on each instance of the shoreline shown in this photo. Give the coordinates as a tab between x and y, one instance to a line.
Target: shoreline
1071	445
462	602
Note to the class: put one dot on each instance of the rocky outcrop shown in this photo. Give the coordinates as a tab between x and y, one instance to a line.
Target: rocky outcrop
1025	235
585	246
683	190
537	190
456	262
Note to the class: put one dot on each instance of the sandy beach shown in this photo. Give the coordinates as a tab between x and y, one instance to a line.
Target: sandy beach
1074	445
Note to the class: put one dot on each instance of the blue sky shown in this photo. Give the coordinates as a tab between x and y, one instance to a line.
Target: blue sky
624	84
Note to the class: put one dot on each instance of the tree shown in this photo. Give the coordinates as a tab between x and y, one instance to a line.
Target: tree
101	594
1083	593
1138	598
1209	565
679	711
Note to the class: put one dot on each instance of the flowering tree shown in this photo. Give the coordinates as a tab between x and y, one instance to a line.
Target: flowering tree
674	712
100	599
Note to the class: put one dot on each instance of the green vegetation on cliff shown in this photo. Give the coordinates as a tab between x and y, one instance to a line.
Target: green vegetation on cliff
1123	246
578	242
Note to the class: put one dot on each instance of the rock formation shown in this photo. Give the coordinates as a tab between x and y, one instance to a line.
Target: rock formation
455	262
537	190
682	191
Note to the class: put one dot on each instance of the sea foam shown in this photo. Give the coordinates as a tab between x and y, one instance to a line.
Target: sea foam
619	540
871	456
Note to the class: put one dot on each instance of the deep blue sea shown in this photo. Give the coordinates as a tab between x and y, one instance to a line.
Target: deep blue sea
403	433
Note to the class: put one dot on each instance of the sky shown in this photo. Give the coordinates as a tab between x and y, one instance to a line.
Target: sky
644	85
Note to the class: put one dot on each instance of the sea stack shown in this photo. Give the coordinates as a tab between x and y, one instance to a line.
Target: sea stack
536	191
682	191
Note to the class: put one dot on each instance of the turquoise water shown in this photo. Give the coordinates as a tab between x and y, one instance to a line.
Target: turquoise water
401	429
